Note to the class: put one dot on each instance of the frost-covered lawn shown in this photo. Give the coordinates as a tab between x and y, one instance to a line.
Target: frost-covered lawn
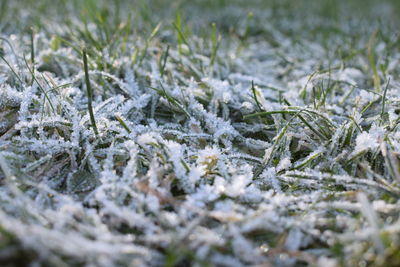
199	133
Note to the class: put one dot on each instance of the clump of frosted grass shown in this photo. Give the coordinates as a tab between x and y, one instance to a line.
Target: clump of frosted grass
259	147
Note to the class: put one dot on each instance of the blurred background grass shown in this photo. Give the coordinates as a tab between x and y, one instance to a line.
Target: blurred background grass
19	15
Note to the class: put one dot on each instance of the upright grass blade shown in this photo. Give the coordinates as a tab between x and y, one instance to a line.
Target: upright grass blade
40	86
214	43
89	92
278	138
253	90
163	62
33	54
171	100
180	34
178	26
9	65
384	100
249	18
152	35
372	61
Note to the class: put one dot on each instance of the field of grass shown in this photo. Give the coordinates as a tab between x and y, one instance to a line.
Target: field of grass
199	133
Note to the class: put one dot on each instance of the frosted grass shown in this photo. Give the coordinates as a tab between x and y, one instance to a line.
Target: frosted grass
274	147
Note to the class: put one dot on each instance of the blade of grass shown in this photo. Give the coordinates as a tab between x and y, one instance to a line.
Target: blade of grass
384	99
277	140
11	68
253	89
163	62
123	124
89	92
39	85
214	43
264	113
171	100
180	35
152	35
371	59
33	53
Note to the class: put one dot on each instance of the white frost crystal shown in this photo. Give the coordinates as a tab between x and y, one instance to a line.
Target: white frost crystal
369	140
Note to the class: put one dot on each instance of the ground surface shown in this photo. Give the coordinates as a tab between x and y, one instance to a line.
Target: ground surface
199	133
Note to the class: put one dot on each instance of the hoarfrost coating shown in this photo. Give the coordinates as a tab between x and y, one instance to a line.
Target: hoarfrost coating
271	139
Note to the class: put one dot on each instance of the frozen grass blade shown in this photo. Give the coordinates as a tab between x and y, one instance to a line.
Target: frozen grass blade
89	92
372	61
163	62
46	96
152	35
384	100
214	43
123	124
33	54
